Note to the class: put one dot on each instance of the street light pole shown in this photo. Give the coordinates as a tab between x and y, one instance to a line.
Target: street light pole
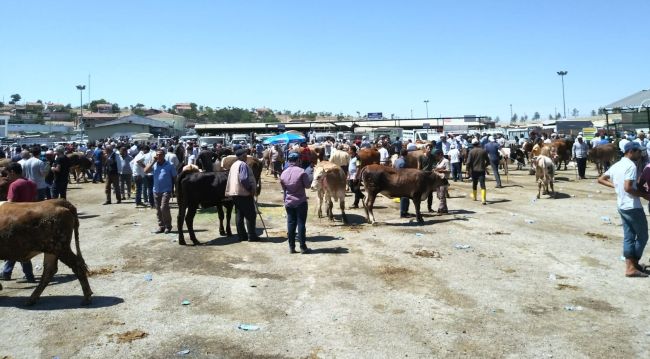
510	112
81	89
426	103
562	74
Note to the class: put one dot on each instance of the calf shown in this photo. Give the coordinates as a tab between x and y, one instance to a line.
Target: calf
329	181
30	228
544	174
405	182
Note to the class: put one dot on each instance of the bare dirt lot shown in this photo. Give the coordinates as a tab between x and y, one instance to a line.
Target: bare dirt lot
534	279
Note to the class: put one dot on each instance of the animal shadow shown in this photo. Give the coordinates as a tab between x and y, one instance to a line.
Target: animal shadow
333	250
59	302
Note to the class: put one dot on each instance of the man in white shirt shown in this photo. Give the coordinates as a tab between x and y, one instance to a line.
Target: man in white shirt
622	176
384	158
454	159
623	142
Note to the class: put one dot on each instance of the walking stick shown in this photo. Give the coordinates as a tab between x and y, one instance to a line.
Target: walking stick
261	219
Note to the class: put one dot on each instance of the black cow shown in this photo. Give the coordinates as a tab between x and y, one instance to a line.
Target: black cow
205	189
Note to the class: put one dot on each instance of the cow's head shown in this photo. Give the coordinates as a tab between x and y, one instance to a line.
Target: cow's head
319	174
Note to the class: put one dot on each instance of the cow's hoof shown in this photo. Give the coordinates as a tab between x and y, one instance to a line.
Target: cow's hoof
182	242
222	232
229	233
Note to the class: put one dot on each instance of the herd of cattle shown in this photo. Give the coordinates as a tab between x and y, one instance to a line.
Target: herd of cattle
28	229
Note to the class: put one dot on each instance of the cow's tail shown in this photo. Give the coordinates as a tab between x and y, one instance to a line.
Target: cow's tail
80	259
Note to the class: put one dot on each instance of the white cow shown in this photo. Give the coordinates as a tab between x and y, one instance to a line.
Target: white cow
329	182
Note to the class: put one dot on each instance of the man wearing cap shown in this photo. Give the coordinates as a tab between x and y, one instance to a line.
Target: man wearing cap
622	176
241	187
454	159
384	158
579	150
477	162
492	149
164	175
294	180
442	168
427	162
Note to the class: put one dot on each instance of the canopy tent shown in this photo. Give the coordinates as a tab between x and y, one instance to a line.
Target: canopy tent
283	138
630	108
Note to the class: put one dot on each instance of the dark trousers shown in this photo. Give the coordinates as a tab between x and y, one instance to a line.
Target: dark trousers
495	168
42	194
404	206
60	189
297	218
148	181
125	185
355	187
582	166
478	178
245	210
162	210
114	181
430	201
140	190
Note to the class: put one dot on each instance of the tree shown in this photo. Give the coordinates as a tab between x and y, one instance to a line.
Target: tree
536	116
14	98
39	101
575	112
2	104
558	116
115	108
550	116
497	119
163	107
593	112
514	118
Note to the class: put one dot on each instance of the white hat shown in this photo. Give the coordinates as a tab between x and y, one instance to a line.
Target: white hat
491	139
474	141
579	136
452	146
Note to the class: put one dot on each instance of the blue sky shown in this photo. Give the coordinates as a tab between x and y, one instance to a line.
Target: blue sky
466	57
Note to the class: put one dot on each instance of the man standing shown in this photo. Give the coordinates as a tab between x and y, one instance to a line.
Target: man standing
98	160
403	201
112	176
384	158
294	180
492	149
622	177
35	170
61	170
164	174
454	159
579	150
20	190
427	162
353	181
477	162
126	172
442	168
241	187
340	157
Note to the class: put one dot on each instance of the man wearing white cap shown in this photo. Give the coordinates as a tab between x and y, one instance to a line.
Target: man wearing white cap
579	152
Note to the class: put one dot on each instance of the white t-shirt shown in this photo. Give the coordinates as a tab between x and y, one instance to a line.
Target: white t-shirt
621	171
383	155
621	144
454	155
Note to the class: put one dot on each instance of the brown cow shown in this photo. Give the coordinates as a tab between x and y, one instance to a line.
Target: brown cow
30	228
562	148
367	156
79	166
406	182
329	181
603	156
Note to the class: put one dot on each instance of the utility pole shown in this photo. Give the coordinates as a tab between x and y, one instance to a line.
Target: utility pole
426	103
510	112
562	74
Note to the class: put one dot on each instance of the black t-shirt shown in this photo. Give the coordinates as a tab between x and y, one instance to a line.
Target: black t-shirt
63	162
111	164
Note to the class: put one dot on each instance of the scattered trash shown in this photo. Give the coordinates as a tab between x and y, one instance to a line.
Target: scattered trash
248	327
101	271
339	237
148	277
606	219
566	286
599	191
572	308
185	302
173	240
498	233
573	195
529	221
38	267
532	201
462	246
136	224
552	277
418	234
513	214
183	352
109	212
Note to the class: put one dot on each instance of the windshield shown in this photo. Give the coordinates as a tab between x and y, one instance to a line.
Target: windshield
424	137
211	140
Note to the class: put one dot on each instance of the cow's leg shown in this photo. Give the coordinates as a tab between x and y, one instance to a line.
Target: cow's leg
179	223
49	269
368	202
539	188
320	203
222	230
78	266
416	204
189	220
342	205
229	206
552	189
330	207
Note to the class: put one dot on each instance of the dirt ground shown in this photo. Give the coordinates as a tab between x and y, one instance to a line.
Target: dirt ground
533	279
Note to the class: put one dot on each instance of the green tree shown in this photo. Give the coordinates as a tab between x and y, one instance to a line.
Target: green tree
514	118
558	116
497	119
550	116
15	98
2	104
115	108
575	112
593	112
536	116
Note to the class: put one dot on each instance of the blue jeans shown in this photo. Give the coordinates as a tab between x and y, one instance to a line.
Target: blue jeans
139	186
635	232
297	217
98	172
455	171
27	269
495	168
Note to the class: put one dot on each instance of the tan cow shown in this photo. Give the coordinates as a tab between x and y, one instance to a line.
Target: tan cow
544	174
329	182
30	228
